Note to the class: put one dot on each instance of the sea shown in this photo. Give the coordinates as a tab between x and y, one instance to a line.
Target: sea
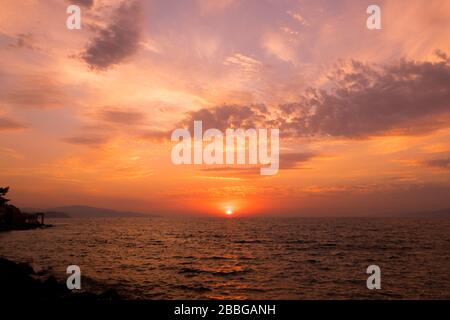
243	258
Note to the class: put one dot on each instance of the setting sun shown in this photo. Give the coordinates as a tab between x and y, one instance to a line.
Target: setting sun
229	212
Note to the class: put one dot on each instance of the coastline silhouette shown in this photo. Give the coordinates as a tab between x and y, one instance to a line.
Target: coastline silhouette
12	218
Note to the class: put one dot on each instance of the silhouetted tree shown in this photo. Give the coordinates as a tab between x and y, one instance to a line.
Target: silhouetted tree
3	192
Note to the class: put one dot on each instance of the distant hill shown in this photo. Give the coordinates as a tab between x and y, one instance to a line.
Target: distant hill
55	215
79	211
442	213
48	214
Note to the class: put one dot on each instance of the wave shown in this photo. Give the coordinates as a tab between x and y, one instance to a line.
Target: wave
219	273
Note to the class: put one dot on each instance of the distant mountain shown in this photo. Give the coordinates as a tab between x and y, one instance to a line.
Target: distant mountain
79	211
55	215
48	214
442	213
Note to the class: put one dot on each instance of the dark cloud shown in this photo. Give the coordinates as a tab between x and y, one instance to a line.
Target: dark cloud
228	116
117	41
441	54
293	160
23	40
34	91
443	163
370	100
155	135
111	122
407	97
9	124
83	3
122	116
92	140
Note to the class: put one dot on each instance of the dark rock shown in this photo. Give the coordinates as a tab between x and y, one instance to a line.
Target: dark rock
18	282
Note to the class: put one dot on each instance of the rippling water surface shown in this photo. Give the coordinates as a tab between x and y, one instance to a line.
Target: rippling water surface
203	258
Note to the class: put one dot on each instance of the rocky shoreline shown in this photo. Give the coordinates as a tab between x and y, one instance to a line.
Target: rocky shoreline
19	282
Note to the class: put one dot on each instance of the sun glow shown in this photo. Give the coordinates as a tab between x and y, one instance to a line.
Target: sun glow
229	212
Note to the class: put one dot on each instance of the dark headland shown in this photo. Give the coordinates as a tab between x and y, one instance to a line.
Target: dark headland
12	218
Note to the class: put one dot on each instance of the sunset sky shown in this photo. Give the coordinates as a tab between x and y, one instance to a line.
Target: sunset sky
364	115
